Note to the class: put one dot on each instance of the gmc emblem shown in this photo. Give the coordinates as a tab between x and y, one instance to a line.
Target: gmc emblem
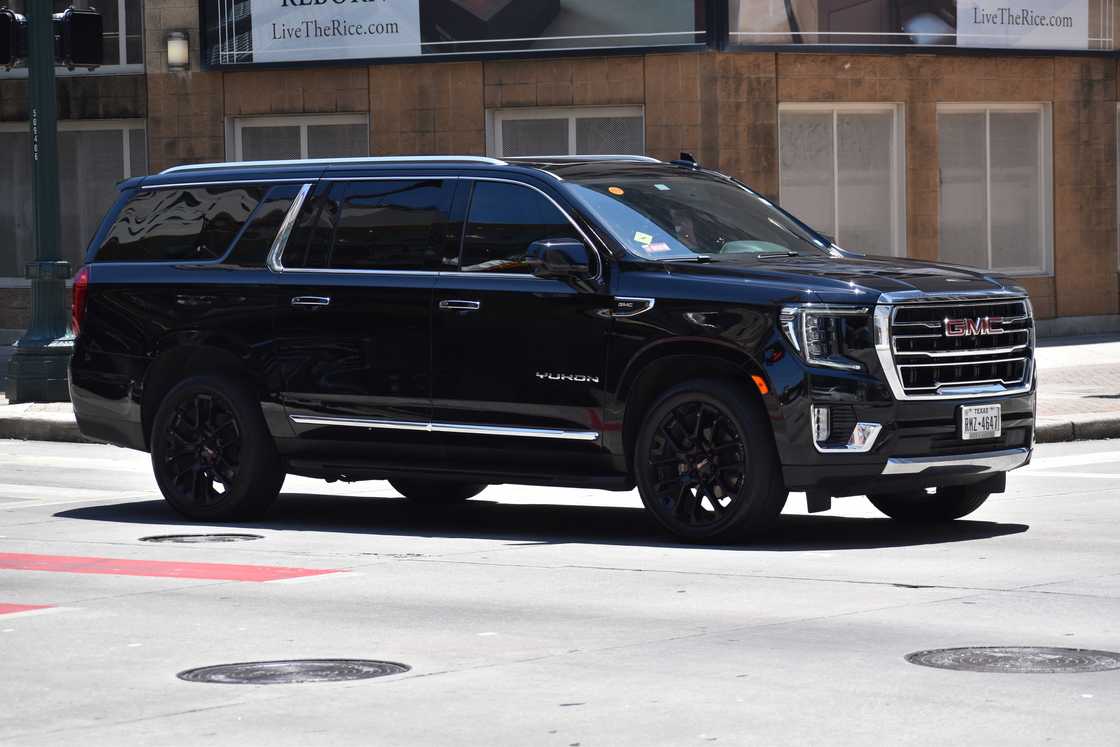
988	325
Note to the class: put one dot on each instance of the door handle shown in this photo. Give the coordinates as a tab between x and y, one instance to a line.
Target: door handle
453	305
312	301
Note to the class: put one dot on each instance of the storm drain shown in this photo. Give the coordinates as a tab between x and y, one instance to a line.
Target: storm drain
192	538
293	671
1017	659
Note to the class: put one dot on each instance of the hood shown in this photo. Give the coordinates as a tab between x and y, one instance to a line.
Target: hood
851	279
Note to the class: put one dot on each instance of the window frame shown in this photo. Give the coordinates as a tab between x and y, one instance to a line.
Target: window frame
1046	180
235	126
897	169
495	118
124	125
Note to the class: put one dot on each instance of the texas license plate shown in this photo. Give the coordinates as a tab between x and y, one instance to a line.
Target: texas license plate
981	421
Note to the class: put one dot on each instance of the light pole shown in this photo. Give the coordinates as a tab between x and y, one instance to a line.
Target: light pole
37	370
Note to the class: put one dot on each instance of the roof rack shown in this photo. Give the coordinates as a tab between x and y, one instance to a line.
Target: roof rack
335	162
578	158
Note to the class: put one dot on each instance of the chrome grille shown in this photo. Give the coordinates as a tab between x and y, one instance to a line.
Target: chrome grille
993	350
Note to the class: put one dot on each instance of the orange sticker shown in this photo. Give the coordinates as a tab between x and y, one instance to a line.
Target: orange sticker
617	191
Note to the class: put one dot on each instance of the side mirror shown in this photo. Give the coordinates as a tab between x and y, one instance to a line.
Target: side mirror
559	258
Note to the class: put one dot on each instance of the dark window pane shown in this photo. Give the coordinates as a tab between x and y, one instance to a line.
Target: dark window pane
179	224
257	238
310	240
504	220
390	225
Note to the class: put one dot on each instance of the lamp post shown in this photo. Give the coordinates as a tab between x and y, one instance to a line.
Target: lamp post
37	370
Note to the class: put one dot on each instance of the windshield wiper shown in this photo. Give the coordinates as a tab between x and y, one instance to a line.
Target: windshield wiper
702	258
778	255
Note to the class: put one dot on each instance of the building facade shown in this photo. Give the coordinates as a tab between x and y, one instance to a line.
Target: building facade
942	130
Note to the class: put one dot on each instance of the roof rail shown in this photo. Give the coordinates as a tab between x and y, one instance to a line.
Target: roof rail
336	162
577	158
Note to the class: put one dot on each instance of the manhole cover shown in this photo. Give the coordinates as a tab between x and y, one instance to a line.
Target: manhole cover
293	671
1017	659
192	538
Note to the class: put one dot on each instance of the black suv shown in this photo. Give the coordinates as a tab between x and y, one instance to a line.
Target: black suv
448	323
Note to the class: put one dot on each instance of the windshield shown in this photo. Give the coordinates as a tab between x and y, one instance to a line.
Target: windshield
677	216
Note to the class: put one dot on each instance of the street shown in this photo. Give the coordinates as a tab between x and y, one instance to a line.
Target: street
533	616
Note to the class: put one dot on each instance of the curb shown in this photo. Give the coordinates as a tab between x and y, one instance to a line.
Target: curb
33	422
1050	430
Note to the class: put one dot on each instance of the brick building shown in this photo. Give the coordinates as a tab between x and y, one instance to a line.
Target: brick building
870	119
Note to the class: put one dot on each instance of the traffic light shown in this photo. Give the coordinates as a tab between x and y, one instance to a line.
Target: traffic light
13	38
77	39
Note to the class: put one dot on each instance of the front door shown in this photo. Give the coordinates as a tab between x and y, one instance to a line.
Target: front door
518	362
355	314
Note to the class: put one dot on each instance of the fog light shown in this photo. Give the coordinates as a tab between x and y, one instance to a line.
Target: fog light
863	436
821	429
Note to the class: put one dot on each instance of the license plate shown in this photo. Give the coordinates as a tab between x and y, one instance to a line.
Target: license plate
981	421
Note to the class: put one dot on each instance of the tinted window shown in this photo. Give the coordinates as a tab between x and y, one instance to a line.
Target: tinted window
309	242
504	220
256	240
195	224
390	225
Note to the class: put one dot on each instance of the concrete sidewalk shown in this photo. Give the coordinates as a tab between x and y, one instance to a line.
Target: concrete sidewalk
1079	396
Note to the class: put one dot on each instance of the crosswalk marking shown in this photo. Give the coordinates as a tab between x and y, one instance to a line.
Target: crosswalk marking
154	568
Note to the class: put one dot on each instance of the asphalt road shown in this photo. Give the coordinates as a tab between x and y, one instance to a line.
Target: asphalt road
548	617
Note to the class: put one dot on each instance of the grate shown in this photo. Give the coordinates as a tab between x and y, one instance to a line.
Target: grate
293	671
195	538
1017	659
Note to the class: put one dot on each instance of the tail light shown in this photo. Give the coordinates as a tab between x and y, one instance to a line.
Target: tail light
78	307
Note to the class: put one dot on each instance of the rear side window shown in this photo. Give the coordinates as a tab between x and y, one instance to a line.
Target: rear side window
179	225
504	220
390	225
257	238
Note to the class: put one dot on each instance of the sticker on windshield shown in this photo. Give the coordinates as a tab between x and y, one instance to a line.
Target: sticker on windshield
618	191
658	248
642	238
662	187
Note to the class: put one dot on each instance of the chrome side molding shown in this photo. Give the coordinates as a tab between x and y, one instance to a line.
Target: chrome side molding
978	464
461	428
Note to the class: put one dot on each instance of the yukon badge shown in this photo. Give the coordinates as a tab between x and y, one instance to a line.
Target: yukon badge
576	378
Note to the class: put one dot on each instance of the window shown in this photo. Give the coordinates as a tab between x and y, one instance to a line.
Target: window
841	170
93	156
391	225
195	224
122	35
996	200
310	136
504	220
559	132
256	240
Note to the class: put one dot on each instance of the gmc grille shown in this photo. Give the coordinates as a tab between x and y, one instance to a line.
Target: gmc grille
992	348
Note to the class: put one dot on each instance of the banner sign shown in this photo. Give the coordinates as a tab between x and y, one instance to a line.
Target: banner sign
295	30
1026	24
249	32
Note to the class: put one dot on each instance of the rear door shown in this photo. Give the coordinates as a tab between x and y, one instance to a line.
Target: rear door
354	319
518	361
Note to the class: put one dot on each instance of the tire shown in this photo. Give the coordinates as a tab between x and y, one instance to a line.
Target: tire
436	491
212	454
706	465
920	507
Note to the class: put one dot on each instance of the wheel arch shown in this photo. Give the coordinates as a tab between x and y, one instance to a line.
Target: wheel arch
181	357
667	364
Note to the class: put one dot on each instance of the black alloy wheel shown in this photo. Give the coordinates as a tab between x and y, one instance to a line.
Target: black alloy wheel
211	451
705	463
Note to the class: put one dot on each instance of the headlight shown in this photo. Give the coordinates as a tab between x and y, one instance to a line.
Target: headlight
817	333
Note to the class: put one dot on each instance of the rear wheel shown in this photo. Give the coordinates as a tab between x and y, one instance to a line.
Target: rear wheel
706	465
212	454
944	504
436	491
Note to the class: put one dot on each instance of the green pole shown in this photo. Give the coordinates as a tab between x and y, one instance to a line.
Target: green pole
37	370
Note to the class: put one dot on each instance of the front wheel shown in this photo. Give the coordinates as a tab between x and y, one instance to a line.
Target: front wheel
436	491
706	465
212	454
918	506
